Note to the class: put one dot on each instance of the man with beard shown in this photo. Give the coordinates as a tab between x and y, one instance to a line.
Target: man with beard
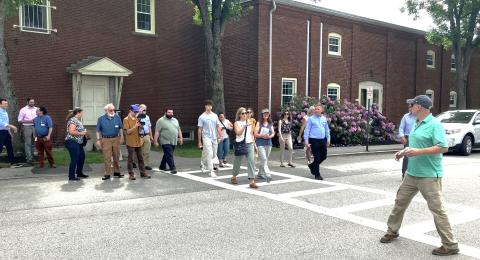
168	129
109	138
25	117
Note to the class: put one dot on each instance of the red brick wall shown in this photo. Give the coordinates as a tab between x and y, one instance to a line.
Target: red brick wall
165	65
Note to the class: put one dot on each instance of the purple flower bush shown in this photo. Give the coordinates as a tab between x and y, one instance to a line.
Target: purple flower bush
348	121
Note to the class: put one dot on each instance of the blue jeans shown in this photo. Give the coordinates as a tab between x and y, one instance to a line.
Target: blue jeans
167	157
223	149
77	158
6	140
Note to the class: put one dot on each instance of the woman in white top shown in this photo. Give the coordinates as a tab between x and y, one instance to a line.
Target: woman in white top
244	129
223	147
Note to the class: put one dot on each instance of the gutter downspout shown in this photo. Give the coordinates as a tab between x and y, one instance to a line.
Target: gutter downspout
320	63
307	68
270	57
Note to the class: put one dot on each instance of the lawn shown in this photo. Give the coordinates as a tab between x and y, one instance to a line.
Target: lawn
61	157
187	150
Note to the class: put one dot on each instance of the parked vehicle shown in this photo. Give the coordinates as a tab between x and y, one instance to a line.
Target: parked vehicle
462	128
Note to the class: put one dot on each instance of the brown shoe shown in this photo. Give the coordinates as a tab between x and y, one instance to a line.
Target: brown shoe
387	238
233	180
253	185
145	176
131	176
442	251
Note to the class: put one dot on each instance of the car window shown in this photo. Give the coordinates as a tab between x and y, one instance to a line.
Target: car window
455	117
477	117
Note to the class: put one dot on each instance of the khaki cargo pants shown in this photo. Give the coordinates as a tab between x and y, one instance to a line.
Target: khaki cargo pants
431	190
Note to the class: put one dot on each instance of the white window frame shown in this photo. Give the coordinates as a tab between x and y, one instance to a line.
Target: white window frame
339	37
336	87
453	94
294	89
152	18
48	13
453	64
430	53
430	93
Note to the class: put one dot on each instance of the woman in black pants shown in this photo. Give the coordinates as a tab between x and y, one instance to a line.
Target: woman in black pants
73	142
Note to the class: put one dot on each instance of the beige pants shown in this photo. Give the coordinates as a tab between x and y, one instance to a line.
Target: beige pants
111	153
287	141
147	145
431	190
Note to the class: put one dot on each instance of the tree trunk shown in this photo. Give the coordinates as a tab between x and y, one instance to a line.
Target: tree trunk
213	32
7	90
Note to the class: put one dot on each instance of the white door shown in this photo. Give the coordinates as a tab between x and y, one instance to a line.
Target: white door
93	98
377	97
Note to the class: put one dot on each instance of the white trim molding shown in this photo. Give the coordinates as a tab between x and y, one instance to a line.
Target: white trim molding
151	14
336	87
335	36
453	97
430	59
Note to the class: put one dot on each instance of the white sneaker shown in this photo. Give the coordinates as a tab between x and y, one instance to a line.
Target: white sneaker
213	175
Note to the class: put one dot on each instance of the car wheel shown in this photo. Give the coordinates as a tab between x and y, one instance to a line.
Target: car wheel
466	147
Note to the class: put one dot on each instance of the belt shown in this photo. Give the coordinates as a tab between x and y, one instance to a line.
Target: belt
109	136
143	135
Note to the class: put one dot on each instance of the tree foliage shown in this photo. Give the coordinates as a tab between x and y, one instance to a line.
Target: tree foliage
457	26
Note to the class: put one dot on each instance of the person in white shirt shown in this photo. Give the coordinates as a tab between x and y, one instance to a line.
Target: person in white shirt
244	130
209	135
224	146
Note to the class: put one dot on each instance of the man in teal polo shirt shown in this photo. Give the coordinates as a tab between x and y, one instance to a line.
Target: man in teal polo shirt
424	174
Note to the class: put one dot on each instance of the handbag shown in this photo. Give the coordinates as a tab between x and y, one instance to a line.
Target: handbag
241	147
226	129
84	141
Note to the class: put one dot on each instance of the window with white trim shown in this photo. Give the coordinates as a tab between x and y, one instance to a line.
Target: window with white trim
145	16
335	44
430	93
289	88
333	91
453	99
35	17
453	65
430	59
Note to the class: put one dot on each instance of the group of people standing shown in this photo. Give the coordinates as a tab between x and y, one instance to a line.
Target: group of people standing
213	139
135	130
36	126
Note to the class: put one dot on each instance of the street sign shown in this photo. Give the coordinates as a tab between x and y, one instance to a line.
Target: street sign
370	92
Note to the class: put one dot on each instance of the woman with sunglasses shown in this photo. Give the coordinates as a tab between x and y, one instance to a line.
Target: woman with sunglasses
285	138
264	133
244	131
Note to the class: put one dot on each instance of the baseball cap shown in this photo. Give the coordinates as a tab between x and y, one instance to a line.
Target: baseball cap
265	110
134	108
422	100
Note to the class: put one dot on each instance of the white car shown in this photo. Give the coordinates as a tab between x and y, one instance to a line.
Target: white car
462	128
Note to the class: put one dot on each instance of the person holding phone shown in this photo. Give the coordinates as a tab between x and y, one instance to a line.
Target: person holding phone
244	130
132	126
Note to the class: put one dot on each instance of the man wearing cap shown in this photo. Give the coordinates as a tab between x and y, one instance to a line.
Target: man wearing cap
406	126
147	136
427	144
109	138
132	126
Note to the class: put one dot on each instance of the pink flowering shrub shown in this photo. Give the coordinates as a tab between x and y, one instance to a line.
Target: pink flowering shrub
348	121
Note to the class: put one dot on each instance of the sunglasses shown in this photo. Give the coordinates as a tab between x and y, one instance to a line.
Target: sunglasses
243	113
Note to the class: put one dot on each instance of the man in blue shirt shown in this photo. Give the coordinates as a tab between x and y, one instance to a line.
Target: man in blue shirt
406	126
5	134
109	138
317	137
42	130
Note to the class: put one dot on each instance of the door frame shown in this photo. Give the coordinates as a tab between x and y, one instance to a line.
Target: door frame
376	86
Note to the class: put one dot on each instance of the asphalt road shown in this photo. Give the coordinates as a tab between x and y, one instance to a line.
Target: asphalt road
192	216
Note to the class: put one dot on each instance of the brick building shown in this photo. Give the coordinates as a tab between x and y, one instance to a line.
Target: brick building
88	53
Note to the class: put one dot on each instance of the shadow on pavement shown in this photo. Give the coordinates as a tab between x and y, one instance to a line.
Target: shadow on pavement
72	186
109	186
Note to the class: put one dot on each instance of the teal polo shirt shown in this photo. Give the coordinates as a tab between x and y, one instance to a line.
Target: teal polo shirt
426	134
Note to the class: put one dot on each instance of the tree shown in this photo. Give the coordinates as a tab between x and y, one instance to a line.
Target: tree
457	26
7	90
213	15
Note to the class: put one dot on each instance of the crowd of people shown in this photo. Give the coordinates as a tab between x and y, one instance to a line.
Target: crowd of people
422	170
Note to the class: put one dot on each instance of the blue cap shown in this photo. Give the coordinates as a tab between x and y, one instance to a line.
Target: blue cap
422	100
134	108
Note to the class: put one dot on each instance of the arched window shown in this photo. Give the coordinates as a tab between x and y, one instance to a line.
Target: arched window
430	59
453	99
333	91
431	94
335	44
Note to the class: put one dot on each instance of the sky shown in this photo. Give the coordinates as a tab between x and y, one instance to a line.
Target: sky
382	10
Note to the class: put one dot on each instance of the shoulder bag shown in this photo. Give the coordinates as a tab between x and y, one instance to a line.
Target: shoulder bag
241	147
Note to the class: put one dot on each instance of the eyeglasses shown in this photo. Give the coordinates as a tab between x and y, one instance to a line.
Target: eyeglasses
243	113
249	112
